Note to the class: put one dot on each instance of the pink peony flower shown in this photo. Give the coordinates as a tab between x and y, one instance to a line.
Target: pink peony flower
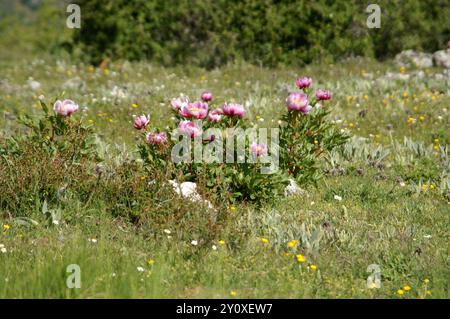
323	95
141	122
233	109
189	128
178	103
65	108
197	110
298	102
206	96
303	82
215	115
258	149
156	138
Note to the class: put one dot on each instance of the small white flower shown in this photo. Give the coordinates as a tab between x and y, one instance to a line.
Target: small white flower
194	243
3	250
427	236
55	222
167	231
140	269
113	274
312	203
337	197
214	247
402	184
2	246
93	240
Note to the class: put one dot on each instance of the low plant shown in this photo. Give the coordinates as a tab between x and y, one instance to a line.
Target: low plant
55	154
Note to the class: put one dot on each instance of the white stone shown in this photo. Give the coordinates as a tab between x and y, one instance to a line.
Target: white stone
189	190
293	189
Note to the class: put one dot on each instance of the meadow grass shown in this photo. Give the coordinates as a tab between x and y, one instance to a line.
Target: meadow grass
384	199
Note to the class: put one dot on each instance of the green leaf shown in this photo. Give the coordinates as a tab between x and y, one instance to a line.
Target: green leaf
44	107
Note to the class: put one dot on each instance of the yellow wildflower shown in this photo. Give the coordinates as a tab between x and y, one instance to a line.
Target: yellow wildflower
233	293
373	285
406	288
264	240
400	292
221	242
411	120
300	258
313	267
292	243
6	227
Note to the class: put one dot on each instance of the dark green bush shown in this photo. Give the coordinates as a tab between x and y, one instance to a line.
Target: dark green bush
211	33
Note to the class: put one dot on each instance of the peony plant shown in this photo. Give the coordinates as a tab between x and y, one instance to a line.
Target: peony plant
304	136
234	181
59	133
305	133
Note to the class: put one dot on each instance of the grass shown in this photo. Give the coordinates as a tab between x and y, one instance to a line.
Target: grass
384	199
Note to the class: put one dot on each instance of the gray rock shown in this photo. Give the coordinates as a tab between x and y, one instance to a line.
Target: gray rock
75	83
412	58
34	85
442	58
397	76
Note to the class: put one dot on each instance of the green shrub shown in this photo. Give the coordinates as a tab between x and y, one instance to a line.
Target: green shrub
211	33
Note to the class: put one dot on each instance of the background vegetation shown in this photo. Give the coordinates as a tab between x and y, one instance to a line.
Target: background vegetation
384	198
211	33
